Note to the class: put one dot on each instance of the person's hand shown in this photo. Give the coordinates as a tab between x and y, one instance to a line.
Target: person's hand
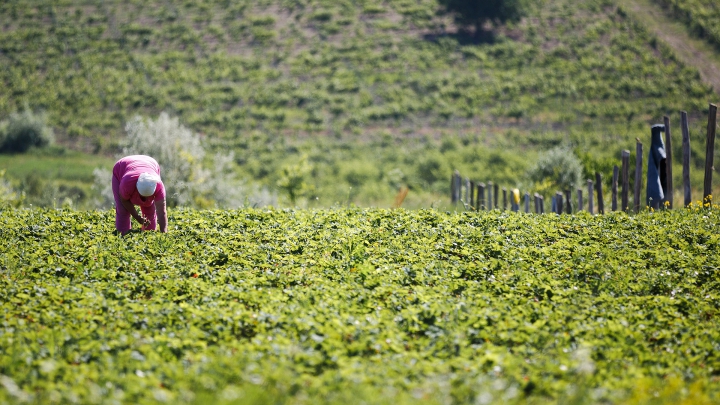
145	222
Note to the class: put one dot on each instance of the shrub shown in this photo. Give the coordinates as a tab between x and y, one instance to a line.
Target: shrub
431	168
557	168
24	130
294	179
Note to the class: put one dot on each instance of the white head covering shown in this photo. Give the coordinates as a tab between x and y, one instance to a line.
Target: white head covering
146	184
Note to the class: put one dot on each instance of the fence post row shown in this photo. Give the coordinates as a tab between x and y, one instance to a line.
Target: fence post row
475	192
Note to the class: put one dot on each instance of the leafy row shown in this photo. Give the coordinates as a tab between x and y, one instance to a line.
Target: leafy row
351	305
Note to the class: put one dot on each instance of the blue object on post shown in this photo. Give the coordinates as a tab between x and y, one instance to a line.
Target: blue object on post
657	172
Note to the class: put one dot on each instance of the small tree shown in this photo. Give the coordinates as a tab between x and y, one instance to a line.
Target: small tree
476	13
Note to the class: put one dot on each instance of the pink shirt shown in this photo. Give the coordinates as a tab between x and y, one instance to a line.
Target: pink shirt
128	170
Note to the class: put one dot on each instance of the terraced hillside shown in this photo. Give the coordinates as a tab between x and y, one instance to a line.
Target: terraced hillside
278	80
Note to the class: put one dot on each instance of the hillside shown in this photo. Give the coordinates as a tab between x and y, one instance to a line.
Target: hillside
363	90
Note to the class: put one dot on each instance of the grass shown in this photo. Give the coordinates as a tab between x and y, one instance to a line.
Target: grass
54	176
67	165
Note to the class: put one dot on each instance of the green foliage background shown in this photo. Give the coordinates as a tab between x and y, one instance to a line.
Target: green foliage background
368	92
351	305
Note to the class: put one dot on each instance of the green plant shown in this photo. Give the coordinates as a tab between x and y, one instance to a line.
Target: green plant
558	169
9	197
294	179
361	305
22	131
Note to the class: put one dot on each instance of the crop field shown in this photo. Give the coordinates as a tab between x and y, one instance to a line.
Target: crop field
361	306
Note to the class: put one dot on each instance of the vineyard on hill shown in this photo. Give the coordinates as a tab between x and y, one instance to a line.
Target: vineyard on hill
361	306
701	16
369	95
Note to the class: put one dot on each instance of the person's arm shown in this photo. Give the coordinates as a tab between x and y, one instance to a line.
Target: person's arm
130	207
161	212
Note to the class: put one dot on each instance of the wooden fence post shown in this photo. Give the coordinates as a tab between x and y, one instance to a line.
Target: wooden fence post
580	200
591	205
638	174
467	190
453	199
504	199
542	204
480	201
472	194
668	163
685	157
601	200
536	197
616	175
495	194
709	154
527	202
490	196
559	202
568	202
625	180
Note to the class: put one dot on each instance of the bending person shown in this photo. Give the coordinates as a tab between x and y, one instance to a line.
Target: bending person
136	181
